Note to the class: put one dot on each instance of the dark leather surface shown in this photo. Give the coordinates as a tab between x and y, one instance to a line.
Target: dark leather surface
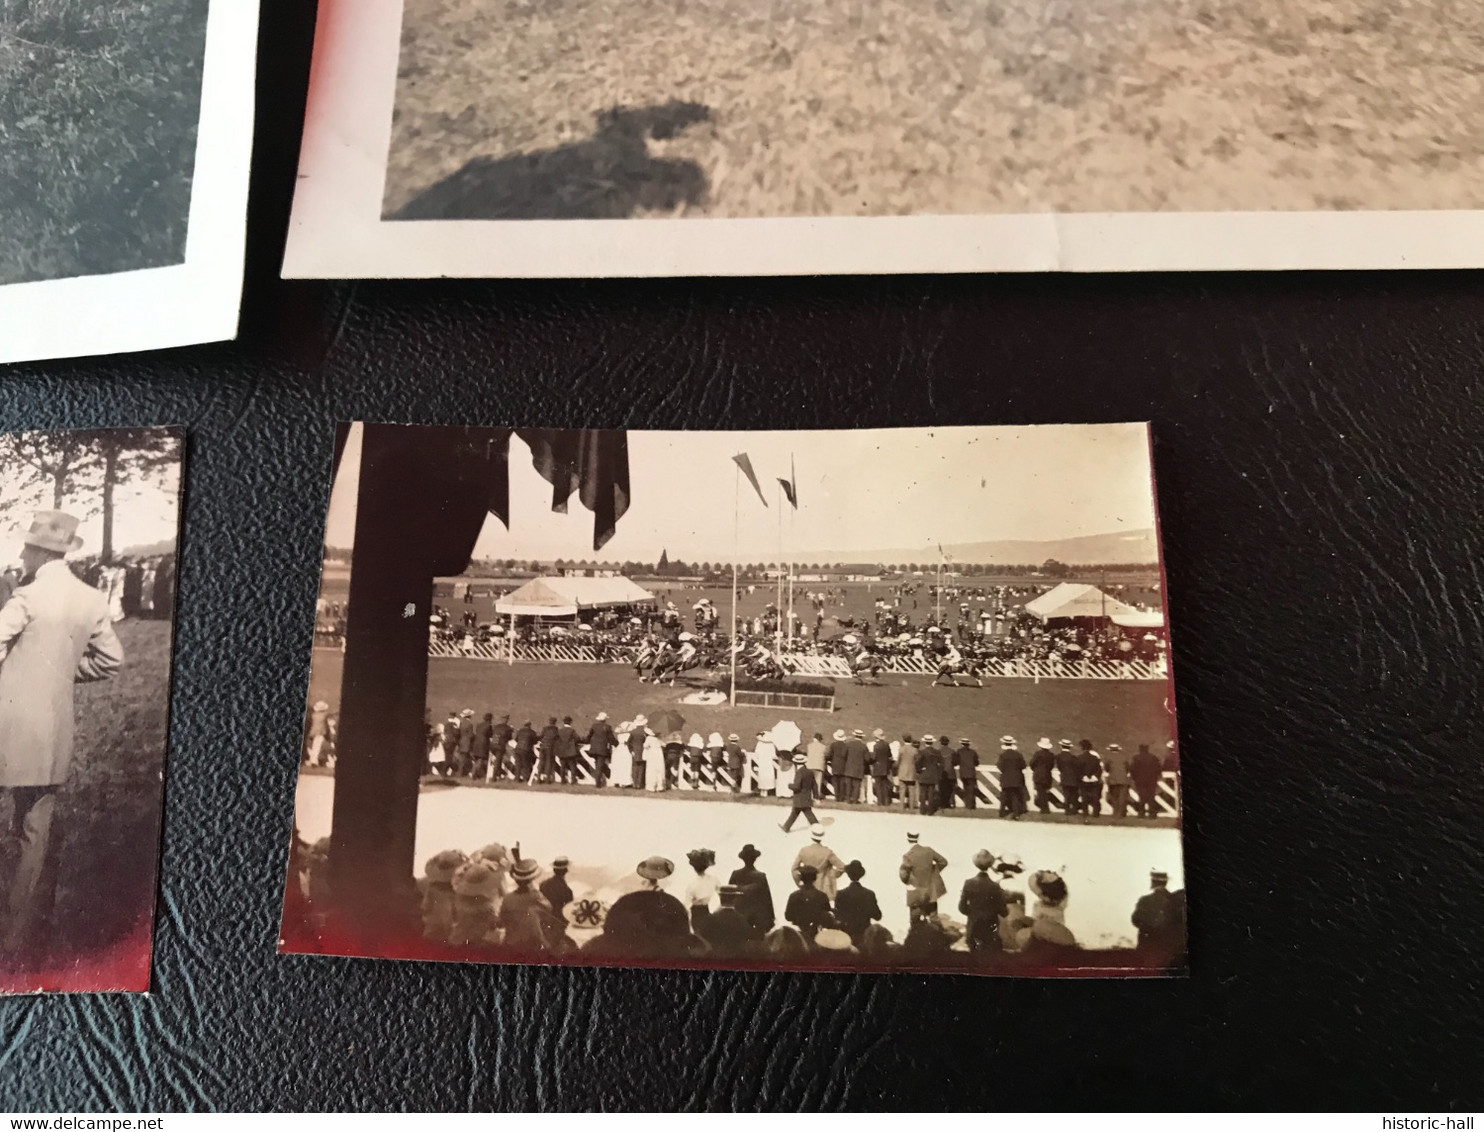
1316	441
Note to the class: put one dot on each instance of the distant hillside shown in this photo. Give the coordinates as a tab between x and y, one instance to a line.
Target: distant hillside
148	549
1122	548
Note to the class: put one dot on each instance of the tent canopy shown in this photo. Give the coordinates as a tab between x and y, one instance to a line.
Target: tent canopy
1138	620
564	597
1076	599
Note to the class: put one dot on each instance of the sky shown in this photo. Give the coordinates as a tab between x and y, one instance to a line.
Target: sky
858	490
142	514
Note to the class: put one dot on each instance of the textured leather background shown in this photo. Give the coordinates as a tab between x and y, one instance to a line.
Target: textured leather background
1317	452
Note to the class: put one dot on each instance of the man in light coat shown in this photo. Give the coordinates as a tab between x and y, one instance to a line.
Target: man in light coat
54	631
922	873
822	859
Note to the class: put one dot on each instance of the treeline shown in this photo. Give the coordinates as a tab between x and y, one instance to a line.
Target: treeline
678	568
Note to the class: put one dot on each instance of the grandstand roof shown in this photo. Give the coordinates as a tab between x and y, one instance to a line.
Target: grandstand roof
563	597
1075	599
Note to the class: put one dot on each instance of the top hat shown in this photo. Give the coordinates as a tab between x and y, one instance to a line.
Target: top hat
53	530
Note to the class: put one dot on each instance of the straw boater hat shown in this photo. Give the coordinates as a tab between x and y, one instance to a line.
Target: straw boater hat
816	832
859	734
655	868
561	864
1043	744
477	878
53	530
1114	747
524	871
912	837
442	866
1159	876
602	716
1007	740
1066	744
799	760
733	738
832	939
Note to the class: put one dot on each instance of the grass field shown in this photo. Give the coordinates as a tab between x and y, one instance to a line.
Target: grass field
108	820
1127	712
734	108
98	107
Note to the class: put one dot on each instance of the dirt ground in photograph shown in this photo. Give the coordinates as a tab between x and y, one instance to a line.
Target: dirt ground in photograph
107	825
98	107
1123	711
725	108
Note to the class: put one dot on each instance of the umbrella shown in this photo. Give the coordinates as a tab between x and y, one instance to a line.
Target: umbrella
905	637
786	735
851	639
915	641
635	621
934	629
666	721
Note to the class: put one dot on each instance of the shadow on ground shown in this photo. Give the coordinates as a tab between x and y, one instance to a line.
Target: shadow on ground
609	176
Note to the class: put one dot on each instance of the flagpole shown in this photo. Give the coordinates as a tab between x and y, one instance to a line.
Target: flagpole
732	636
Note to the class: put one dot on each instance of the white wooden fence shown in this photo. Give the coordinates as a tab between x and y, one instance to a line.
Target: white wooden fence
806	665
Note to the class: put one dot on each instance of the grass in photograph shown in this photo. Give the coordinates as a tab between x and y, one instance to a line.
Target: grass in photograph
99	101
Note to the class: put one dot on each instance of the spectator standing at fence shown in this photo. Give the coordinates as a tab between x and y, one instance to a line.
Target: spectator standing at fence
816	756
655	777
907	772
1172	757
479	753
695	758
764	765
1012	780
1117	763
548	749
600	743
804	793
1090	765
948	784
1069	774
637	734
1144	770
835	761
857	754
856	905
822	859
1043	766
736	758
756	895
929	775
880	768
966	767
464	767
566	750
500	736
525	752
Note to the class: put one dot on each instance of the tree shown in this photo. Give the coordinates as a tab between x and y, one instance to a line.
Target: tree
129	455
1054	569
664	563
61	462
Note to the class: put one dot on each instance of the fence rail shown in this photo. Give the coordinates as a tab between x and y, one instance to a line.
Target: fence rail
806	665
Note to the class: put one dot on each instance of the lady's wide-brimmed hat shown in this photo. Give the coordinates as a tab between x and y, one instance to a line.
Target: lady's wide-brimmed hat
53	530
494	852
524	871
832	939
655	868
441	866
477	878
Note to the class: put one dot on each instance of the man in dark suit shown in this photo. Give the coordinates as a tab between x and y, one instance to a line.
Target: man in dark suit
1012	779
835	760
966	766
856	905
463	761
1144	769
1043	768
525	752
550	738
756	899
601	741
929	775
1069	776
880	768
803	795
949	781
856	756
637	736
983	903
1160	917
555	888
480	755
1090	765
566	751
500	736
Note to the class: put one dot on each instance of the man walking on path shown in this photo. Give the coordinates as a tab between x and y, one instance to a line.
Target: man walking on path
55	632
803	795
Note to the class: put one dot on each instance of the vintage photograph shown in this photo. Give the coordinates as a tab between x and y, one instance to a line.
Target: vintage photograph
100	100
87	602
553	109
880	699
125	140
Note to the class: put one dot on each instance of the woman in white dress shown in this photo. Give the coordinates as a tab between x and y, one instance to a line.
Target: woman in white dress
654	763
765	766
621	771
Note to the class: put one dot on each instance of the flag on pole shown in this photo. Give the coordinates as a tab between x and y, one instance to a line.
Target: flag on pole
746	465
791	485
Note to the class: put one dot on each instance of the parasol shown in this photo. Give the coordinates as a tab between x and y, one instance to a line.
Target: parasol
786	735
666	721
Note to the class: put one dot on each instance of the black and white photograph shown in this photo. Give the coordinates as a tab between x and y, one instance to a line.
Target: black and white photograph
1043	133
123	168
879	699
87	604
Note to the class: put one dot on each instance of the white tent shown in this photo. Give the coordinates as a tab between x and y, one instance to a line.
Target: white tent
1140	620
1074	600
563	597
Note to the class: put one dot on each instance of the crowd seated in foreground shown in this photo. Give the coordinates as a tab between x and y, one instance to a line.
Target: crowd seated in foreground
495	899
